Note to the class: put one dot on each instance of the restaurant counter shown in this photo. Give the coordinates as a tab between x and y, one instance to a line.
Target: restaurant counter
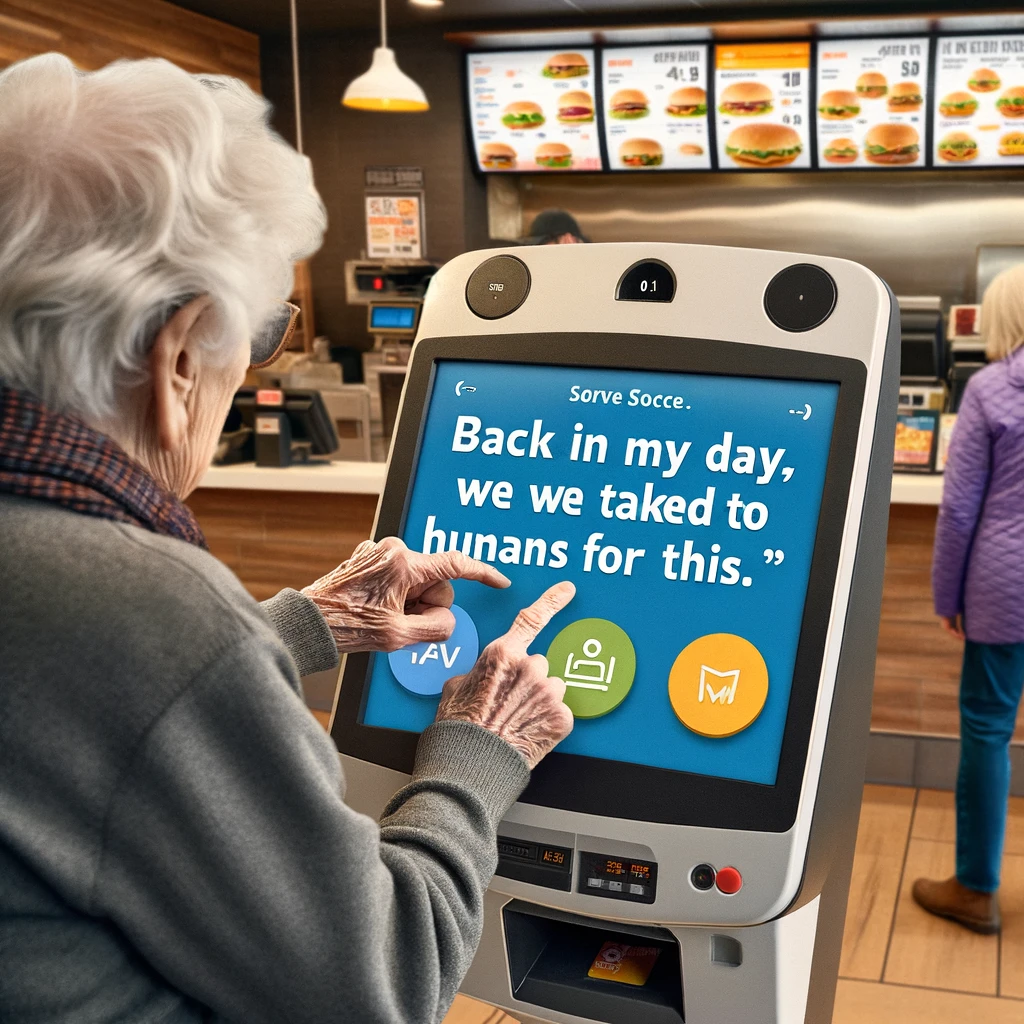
286	527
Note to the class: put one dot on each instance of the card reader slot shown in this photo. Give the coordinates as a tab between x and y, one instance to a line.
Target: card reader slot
551	952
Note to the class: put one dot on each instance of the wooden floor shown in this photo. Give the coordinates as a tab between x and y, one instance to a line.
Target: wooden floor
900	965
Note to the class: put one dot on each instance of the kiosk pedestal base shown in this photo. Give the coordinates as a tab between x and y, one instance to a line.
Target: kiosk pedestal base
539	958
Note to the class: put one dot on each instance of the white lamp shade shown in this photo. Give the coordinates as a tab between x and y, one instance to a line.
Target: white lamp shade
384	87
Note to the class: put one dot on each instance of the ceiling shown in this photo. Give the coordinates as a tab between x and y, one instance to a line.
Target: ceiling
269	17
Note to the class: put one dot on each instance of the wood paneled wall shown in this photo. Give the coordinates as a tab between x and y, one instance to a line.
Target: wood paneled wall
95	32
273	540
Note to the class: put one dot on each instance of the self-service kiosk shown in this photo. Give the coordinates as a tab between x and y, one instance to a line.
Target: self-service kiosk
700	439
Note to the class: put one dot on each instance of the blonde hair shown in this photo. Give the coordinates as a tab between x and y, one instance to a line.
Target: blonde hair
1002	313
124	192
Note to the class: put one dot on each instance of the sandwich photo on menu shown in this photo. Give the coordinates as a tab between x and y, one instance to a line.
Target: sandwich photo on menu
957	148
1012	144
497	156
691	149
687	102
984	80
641	153
575	107
628	105
566	65
763	145
959	104
556	156
872	85
1011	103
892	144
841	151
905	96
838	105
746	99
522	114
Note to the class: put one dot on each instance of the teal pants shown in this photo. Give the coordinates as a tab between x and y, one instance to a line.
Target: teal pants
990	691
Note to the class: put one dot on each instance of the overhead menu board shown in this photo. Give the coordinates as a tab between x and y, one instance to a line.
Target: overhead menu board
533	110
656	107
979	101
872	102
763	112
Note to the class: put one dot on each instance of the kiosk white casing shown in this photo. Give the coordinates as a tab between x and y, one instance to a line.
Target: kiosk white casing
770	952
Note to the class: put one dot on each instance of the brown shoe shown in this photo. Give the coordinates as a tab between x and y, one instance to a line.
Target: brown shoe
978	911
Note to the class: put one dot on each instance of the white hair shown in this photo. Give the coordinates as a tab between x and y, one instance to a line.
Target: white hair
123	193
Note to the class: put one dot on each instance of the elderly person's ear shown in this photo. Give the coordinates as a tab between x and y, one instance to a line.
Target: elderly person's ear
175	362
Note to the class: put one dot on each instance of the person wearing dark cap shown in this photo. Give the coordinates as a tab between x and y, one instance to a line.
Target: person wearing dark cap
555	227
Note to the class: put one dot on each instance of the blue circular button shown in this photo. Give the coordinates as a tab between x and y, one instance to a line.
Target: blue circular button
424	668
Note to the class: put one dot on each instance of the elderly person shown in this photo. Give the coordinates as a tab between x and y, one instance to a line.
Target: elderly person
174	842
978	583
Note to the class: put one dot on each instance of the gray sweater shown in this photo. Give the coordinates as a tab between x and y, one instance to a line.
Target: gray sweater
174	842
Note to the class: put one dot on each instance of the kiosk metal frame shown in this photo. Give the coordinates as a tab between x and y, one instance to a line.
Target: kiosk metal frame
769	952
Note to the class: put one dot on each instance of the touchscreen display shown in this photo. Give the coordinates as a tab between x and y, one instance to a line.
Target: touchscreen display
684	508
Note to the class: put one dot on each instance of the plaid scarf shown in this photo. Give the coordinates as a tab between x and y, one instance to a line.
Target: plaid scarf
53	457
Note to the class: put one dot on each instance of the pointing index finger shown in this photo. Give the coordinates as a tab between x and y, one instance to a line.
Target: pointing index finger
532	619
454	565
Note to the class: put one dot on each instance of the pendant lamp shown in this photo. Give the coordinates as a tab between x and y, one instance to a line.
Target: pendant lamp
384	87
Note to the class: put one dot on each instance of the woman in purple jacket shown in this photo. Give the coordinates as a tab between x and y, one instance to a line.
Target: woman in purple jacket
978	584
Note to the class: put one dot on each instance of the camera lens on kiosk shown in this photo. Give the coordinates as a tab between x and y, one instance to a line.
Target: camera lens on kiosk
800	298
703	877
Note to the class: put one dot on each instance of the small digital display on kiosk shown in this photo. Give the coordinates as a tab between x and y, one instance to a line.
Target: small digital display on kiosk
684	507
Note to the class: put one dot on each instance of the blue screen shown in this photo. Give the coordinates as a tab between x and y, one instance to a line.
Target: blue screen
400	318
684	508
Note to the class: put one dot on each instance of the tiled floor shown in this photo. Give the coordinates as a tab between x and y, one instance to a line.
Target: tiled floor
899	965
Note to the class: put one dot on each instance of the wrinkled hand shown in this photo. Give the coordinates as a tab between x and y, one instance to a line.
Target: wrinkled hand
509	692
386	596
953	625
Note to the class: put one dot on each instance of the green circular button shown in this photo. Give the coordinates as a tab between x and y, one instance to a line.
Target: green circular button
598	663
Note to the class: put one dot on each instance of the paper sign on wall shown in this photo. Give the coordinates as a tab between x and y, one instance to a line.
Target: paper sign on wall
394	226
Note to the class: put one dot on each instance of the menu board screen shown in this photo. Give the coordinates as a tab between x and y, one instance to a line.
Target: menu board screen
656	107
979	101
763	107
872	102
533	110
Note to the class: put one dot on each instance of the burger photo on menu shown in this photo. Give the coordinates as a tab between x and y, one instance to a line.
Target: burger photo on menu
522	114
905	96
556	156
628	105
1011	102
746	99
957	148
959	104
497	156
687	102
838	105
763	145
641	153
691	149
892	144
566	65
841	151
575	107
1012	144
872	85
984	80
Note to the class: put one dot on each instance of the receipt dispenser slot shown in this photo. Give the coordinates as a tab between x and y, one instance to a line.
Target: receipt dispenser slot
550	953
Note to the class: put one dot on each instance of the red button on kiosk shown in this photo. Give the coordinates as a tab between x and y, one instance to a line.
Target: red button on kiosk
729	881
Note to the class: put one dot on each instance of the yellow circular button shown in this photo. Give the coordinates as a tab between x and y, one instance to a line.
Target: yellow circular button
718	685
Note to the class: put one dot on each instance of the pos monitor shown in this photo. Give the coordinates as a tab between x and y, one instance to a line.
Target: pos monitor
701	440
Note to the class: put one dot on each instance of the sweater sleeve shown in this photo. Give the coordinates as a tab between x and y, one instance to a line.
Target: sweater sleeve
303	630
963	495
233	865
